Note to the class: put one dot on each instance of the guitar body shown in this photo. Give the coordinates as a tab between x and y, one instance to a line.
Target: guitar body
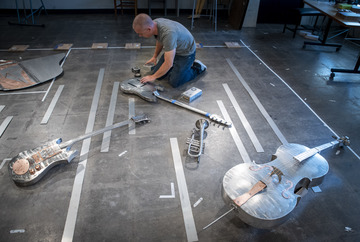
283	177
143	90
31	165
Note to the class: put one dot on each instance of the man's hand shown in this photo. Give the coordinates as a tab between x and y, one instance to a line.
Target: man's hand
146	79
152	61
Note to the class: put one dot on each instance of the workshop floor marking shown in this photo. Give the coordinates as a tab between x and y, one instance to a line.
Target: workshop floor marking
21	93
3	162
52	105
172	186
239	144
110	118
52	82
283	81
258	104
243	119
131	114
70	222
4	124
183	191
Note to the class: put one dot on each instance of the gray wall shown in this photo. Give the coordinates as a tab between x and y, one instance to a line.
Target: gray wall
90	4
249	21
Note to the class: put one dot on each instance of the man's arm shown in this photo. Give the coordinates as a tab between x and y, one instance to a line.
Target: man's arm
158	49
164	68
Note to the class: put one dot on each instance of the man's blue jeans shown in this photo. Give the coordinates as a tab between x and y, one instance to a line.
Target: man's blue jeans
182	70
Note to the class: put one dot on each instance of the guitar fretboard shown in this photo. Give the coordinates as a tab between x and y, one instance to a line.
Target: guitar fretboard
307	154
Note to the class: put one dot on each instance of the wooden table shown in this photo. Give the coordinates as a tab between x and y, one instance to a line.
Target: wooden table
330	11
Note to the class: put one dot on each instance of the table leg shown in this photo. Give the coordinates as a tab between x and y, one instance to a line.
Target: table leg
355	70
324	39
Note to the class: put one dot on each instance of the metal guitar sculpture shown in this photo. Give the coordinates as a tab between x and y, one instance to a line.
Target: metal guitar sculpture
30	166
149	92
265	195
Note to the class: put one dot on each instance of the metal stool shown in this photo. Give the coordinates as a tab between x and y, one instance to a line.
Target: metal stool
302	12
212	15
165	6
24	20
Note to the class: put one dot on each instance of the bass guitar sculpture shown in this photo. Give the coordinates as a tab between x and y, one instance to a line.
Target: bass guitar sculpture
149	92
264	195
29	166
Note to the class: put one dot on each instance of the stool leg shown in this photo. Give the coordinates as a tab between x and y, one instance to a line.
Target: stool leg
215	15
314	27
192	16
31	12
296	27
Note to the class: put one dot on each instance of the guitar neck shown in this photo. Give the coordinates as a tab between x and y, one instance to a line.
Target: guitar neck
188	107
88	135
309	153
173	101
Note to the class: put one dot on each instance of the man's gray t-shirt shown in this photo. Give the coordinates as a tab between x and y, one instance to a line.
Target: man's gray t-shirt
173	35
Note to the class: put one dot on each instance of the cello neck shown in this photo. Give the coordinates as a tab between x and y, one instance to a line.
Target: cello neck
309	153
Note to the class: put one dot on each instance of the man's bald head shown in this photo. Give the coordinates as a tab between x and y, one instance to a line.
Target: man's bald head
144	26
142	22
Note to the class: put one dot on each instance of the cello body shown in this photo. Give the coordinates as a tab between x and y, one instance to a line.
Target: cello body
282	178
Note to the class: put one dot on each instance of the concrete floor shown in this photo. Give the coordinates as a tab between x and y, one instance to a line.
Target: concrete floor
120	189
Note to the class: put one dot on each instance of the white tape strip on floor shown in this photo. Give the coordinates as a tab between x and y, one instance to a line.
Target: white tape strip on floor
172	192
3	162
80	172
52	105
283	81
52	82
243	119
131	114
258	104
4	124
183	191
20	93
239	144
105	145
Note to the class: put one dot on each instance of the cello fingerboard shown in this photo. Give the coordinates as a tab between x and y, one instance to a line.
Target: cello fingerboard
309	153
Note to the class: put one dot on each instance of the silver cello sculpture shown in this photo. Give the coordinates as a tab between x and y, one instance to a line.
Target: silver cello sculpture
265	195
196	146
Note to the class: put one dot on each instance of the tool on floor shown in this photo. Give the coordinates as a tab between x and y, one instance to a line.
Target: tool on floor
255	190
196	141
213	117
136	71
29	166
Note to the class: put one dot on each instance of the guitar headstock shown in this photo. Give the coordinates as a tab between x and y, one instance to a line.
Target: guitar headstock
344	140
220	120
143	118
